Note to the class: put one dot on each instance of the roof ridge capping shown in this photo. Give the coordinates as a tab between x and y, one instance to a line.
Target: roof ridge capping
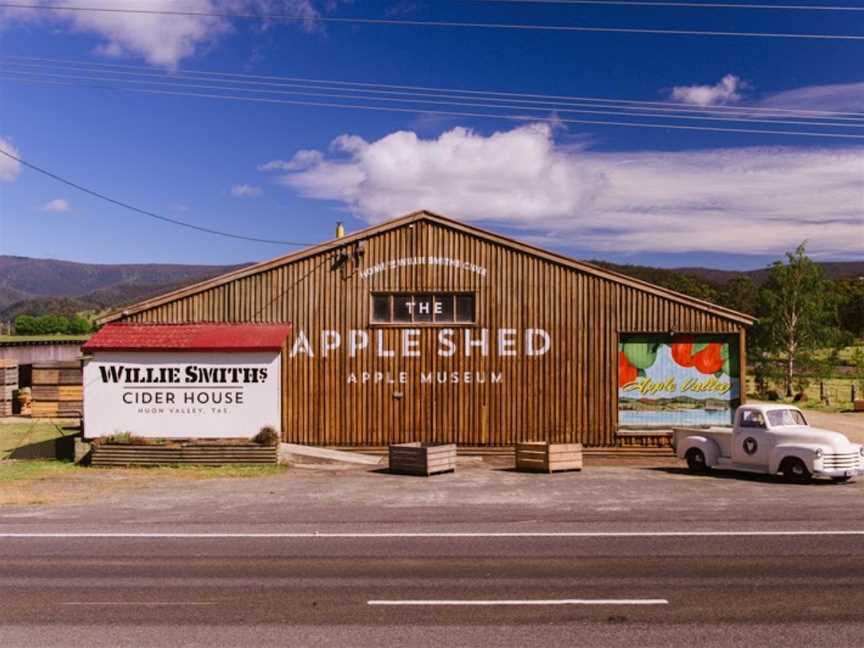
432	217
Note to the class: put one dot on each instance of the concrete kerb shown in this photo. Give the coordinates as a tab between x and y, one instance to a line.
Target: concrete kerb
495	458
289	450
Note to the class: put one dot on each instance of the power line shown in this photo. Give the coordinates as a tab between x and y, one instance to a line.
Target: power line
453	113
438	102
488	95
439	23
769	115
688	5
138	210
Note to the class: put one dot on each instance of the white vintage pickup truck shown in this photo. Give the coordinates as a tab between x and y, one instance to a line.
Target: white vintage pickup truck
770	439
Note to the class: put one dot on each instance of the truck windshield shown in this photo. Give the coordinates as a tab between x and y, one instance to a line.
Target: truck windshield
785	417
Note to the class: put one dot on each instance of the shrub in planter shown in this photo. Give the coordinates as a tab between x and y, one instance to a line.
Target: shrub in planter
127	438
121	438
267	436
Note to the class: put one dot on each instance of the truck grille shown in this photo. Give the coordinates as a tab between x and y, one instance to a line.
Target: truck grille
846	461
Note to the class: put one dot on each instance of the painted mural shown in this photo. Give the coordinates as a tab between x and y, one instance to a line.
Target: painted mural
677	380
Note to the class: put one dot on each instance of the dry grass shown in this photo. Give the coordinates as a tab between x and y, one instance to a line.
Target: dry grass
31	483
30	435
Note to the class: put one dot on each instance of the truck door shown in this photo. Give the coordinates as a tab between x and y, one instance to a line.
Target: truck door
753	440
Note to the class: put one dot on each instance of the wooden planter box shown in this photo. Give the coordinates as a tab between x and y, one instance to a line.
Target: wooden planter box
421	459
203	455
539	456
858	405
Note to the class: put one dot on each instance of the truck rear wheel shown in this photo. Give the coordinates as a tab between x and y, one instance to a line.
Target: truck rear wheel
696	460
795	471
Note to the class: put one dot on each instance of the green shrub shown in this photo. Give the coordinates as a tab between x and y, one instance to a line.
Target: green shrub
121	438
267	436
52	325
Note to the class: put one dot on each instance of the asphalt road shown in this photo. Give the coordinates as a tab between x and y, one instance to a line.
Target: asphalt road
610	557
558	591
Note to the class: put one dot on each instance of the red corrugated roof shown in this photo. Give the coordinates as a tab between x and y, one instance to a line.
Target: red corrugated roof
121	336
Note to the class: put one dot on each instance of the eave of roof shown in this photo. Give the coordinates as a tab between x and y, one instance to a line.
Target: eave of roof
432	217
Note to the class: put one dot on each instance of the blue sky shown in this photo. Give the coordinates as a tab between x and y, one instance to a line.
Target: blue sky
289	172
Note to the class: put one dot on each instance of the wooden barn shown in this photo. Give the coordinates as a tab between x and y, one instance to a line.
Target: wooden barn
427	329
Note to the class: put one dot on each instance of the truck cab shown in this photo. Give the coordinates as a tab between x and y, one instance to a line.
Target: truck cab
771	439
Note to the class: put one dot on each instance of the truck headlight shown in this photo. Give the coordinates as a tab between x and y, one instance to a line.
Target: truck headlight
818	452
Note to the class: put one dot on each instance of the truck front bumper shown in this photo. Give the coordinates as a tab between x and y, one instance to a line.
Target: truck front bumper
835	473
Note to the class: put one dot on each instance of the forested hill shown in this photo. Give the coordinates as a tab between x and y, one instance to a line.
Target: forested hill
38	286
740	290
833	270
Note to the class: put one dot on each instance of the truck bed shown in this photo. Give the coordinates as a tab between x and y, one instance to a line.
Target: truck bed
722	436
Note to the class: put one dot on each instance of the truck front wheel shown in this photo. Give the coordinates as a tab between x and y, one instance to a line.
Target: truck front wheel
795	471
696	460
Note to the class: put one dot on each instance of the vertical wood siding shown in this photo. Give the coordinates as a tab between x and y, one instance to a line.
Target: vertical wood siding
567	395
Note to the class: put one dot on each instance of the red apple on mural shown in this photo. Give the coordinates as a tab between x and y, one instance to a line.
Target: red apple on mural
709	360
682	352
627	373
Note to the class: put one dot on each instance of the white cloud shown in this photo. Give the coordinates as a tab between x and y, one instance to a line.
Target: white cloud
841	97
303	159
725	91
56	206
9	168
737	200
245	191
162	40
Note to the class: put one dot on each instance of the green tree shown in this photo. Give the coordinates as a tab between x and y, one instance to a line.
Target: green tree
79	325
25	325
53	324
797	312
693	287
41	325
740	293
850	304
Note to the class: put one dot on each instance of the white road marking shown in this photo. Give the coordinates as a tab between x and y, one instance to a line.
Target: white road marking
432	534
470	602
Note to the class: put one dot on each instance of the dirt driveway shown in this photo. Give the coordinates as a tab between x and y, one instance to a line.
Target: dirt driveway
849	423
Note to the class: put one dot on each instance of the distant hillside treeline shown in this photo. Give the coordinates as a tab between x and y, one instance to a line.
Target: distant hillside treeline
51	287
740	290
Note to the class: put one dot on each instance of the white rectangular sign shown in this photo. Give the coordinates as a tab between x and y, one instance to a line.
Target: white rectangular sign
182	394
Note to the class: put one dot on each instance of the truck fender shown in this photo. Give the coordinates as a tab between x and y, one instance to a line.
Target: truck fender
708	447
804	452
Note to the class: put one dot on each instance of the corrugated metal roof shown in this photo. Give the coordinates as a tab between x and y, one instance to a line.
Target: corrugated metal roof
120	336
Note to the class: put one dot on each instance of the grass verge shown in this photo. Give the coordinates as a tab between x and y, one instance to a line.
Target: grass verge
44	482
34	440
24	471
